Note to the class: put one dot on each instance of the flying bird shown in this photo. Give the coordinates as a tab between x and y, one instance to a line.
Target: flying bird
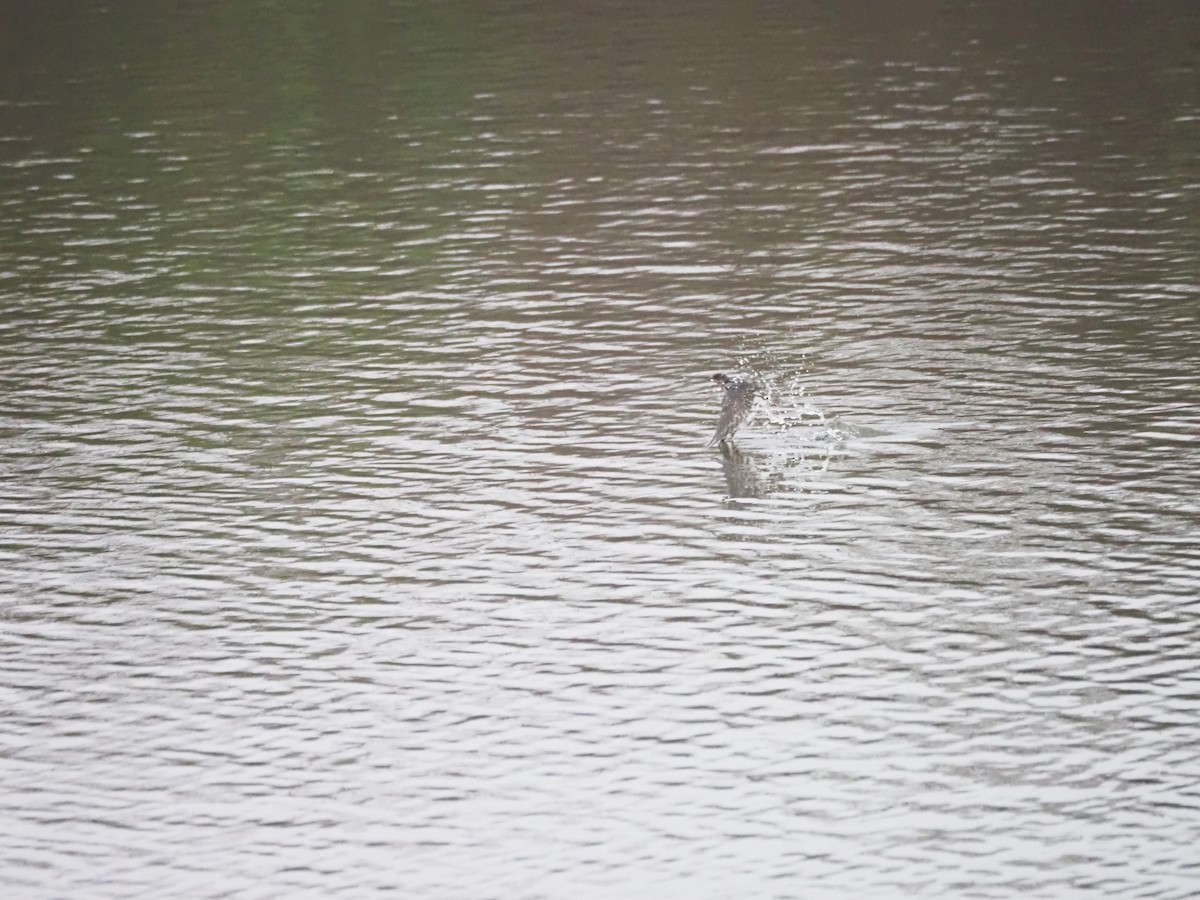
736	404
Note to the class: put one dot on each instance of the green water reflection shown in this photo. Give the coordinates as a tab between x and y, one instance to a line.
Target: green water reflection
214	133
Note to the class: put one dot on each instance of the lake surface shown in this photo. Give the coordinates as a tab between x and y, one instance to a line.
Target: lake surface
358	532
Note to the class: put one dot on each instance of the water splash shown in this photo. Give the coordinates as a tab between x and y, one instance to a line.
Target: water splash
784	407
788	442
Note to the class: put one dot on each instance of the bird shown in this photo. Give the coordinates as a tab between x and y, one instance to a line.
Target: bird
736	405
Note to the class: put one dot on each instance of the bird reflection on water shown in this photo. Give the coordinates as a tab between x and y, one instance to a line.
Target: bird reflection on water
744	475
757	474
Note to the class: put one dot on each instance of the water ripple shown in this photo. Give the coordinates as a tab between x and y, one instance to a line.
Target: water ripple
356	517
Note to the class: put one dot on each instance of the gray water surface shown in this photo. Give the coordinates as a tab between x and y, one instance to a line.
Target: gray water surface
358	536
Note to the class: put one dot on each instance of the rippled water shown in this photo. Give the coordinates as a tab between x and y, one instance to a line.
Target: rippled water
358	533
